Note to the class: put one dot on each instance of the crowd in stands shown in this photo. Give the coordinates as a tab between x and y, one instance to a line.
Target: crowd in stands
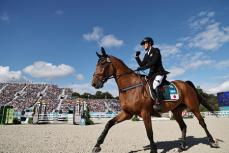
24	96
67	105
96	105
8	93
2	85
68	92
113	105
51	97
28	97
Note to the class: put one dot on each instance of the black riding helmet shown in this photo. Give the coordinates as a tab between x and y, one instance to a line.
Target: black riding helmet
147	39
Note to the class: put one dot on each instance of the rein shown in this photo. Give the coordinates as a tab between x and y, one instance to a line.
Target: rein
114	76
119	76
131	87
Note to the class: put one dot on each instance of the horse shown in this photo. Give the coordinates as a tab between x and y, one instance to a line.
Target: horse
135	100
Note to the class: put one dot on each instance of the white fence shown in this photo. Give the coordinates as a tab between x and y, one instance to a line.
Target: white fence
102	115
64	118
218	113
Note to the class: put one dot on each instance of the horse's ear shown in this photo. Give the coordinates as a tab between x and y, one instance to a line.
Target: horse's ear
103	52
99	55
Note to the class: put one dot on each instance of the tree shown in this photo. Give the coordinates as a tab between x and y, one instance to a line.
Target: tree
98	95
87	95
75	95
135	118
117	97
107	95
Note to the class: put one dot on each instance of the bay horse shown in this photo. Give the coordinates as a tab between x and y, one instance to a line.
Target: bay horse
135	100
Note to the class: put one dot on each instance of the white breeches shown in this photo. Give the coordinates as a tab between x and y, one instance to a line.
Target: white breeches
157	81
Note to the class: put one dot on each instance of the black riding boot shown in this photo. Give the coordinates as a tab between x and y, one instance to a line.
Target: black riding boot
158	105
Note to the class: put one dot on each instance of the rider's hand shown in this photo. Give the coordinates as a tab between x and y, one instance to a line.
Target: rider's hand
137	53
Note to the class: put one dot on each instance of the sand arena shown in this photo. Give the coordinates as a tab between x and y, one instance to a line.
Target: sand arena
126	137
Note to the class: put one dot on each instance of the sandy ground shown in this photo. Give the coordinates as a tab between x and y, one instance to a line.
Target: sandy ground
126	137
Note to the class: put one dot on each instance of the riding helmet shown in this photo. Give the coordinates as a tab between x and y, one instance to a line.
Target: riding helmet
147	39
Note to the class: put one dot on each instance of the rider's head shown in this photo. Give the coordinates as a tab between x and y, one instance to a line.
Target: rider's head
147	43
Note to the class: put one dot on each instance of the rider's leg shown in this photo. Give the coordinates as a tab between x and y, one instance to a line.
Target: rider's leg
157	81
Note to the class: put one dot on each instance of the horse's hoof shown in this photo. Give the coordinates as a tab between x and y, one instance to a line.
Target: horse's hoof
153	150
96	149
214	144
182	147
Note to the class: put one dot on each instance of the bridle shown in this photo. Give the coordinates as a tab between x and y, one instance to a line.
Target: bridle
104	80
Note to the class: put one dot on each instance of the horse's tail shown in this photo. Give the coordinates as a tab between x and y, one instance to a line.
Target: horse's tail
201	99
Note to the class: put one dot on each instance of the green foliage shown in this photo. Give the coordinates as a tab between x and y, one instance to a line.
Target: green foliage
135	118
87	95
117	97
107	95
87	116
98	95
70	111
30	121
16	121
75	95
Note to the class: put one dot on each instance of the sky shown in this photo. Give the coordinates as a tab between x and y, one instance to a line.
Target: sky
54	41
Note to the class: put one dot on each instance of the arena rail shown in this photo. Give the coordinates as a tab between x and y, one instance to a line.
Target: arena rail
64	118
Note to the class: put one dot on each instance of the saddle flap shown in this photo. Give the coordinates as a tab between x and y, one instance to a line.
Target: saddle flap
168	92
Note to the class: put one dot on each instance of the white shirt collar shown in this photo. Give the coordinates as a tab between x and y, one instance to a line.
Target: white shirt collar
148	52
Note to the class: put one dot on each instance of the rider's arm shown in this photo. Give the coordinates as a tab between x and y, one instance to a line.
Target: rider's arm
141	63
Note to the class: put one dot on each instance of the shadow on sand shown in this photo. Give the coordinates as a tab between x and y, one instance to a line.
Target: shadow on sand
170	145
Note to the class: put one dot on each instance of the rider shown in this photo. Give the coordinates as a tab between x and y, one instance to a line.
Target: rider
152	60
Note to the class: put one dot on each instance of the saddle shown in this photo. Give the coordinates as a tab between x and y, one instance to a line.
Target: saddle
167	90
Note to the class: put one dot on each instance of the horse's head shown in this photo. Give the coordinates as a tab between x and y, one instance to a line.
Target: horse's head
104	70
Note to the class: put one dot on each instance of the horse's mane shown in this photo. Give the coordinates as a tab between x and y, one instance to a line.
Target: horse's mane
120	61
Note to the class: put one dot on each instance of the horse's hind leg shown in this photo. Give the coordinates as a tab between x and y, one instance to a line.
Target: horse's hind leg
122	116
177	113
202	123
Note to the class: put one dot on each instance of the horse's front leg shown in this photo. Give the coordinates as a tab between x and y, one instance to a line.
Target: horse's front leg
122	116
148	125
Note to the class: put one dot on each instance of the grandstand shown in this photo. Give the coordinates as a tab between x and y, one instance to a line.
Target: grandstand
25	96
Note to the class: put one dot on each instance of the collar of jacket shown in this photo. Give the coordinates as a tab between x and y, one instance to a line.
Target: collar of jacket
149	51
